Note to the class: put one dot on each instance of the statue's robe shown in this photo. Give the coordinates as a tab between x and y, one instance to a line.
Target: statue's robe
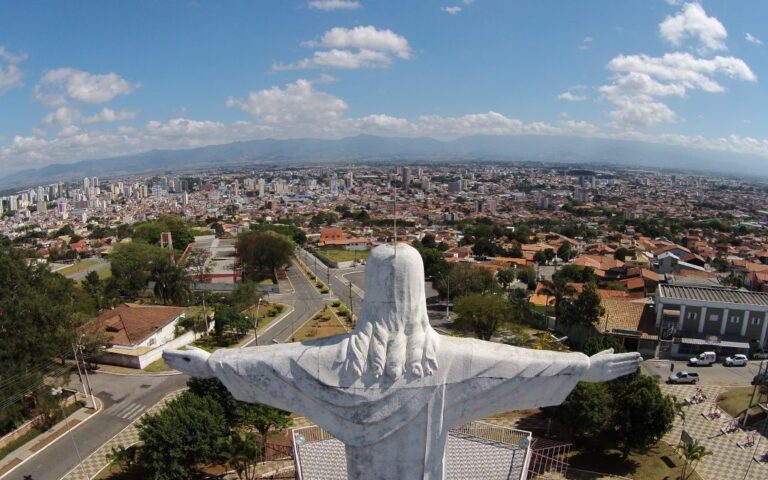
407	419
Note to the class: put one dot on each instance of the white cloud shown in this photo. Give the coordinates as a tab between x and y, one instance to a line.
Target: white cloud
65	116
61	85
585	43
10	74
692	22
364	38
752	39
296	104
339	59
640	79
452	10
571	97
328	5
349	48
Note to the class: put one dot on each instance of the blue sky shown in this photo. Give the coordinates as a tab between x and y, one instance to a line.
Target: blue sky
90	79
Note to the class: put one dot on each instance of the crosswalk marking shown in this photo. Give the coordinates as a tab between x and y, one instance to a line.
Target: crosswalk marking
127	411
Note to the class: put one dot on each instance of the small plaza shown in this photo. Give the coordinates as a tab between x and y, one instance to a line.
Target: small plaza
729	460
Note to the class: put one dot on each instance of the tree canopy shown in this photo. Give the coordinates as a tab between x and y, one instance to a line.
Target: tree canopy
482	314
260	251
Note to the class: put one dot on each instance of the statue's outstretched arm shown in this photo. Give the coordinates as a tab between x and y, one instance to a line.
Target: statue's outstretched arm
606	365
193	361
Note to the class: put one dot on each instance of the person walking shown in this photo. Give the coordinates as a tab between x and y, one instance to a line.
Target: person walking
671	367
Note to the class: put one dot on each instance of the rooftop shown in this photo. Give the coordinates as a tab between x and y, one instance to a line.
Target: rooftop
705	294
130	323
475	450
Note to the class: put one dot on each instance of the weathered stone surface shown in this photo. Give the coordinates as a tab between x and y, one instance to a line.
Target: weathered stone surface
392	388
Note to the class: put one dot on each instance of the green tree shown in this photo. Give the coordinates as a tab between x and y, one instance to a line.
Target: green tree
214	389
463	279
435	263
131	265
540	257
241	451
482	314
692	452
586	413
428	241
586	309
36	326
171	282
260	251
527	275
186	432
263	418
564	252
505	277
621	254
229	318
245	296
198	263
642	415
93	285
598	343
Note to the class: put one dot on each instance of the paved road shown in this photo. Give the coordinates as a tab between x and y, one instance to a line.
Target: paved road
306	300
714	375
332	277
339	280
124	399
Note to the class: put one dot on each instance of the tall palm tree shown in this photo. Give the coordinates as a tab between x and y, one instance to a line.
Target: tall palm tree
171	281
559	290
241	451
692	452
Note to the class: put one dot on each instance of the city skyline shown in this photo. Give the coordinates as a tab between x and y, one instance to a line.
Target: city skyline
110	80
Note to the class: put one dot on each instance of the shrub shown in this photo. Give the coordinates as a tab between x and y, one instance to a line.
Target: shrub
343	311
336	303
323	290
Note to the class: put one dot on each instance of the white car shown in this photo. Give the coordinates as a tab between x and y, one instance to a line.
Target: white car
736	361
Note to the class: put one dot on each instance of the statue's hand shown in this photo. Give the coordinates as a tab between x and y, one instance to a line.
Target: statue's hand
192	361
606	365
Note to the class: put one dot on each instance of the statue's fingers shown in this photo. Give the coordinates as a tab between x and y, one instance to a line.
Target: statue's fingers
396	353
415	352
377	350
605	352
634	356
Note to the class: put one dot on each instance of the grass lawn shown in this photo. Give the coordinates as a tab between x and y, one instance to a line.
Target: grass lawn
158	365
27	437
660	462
324	324
267	313
341	255
105	273
80	266
736	400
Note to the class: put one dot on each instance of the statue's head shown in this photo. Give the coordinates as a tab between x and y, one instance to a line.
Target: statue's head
393	334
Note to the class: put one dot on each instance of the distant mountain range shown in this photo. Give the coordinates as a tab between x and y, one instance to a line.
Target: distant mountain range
368	148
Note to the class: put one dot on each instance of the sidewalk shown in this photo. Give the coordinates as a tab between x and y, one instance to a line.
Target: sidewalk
97	461
39	443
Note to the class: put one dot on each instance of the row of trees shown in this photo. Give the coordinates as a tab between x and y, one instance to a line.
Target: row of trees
41	315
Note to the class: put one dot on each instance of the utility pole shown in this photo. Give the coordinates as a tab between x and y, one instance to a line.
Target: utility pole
351	305
85	369
79	373
256	325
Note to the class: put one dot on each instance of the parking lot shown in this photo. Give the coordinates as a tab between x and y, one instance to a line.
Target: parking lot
716	374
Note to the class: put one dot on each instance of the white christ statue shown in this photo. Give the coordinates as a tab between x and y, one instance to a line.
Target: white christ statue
392	388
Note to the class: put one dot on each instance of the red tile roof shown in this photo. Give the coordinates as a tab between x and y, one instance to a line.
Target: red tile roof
130	323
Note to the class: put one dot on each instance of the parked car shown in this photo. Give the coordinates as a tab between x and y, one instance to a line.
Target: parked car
683	377
737	360
760	355
704	359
